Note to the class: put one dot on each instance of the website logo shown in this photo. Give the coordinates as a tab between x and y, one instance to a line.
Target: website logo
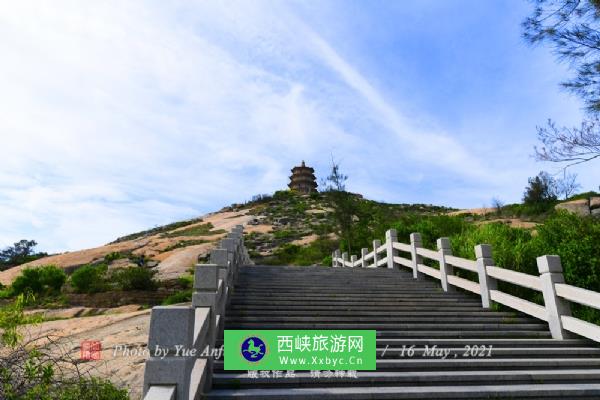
253	349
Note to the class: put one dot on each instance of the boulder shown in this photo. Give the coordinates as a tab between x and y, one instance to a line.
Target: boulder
579	207
594	203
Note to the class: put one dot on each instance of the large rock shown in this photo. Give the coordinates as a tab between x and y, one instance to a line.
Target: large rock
594	203
579	207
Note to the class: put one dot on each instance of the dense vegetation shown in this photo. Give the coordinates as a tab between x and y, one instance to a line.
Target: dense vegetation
575	239
48	283
43	373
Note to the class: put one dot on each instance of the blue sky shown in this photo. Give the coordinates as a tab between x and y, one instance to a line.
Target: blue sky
119	116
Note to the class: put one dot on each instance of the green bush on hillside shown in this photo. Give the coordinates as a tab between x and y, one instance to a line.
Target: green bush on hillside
183	296
135	278
46	280
292	254
90	279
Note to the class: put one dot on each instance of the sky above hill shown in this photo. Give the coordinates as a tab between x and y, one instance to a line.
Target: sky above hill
119	116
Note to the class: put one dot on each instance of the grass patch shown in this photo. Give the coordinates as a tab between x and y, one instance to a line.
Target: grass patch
183	296
198	230
184	243
158	229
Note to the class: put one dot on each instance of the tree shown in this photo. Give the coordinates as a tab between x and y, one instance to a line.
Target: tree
540	190
20	253
344	204
568	185
572	28
497	204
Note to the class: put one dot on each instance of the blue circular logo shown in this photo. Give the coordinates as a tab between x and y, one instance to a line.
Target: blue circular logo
253	349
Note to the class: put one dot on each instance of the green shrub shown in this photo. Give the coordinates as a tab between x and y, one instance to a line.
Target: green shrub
113	256
284	234
431	228
197	230
184	243
187	281
90	279
183	296
91	389
577	241
292	254
283	195
135	278
46	280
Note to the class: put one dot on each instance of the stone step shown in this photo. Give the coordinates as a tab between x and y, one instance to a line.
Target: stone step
407	378
494	352
375	294
524	361
385	326
514	343
358	307
270	318
467	334
474	364
343	286
547	391
359	302
373	313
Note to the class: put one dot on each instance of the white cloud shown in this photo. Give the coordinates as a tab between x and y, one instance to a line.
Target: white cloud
118	116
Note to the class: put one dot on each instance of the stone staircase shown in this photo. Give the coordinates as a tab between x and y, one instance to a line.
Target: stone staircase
525	361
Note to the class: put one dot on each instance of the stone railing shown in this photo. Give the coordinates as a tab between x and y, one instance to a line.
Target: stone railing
557	295
182	338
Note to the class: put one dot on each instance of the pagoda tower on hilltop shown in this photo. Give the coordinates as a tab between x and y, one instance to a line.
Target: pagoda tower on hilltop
303	179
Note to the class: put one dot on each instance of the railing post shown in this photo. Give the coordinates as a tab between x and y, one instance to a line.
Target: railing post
444	249
390	237
415	243
483	252
363	254
170	326
376	245
206	285
352	260
551	273
344	258
220	258
333	255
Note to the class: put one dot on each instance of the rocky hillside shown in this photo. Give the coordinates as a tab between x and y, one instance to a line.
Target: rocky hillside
270	222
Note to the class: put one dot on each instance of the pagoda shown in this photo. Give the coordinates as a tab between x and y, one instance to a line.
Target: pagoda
303	179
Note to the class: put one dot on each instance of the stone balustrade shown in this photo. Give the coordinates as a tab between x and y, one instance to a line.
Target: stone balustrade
557	295
182	338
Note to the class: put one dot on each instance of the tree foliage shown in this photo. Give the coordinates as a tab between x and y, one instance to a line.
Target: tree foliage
345	205
540	190
572	29
41	281
19	253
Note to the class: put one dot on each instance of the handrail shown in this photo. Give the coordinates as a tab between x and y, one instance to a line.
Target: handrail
186	332
515	277
578	295
557	295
